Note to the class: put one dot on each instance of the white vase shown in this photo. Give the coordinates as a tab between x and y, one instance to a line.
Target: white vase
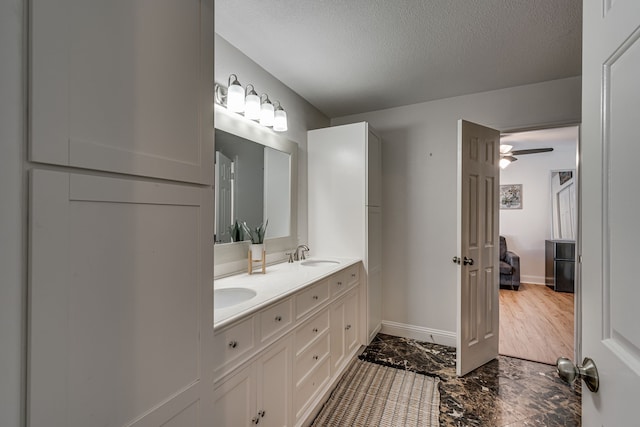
256	251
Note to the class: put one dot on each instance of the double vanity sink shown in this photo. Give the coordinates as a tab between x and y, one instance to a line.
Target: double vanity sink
242	294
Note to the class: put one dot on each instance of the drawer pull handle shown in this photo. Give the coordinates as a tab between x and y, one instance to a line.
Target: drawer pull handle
315	357
278	318
348	327
315	330
339	283
262	413
233	344
353	274
315	297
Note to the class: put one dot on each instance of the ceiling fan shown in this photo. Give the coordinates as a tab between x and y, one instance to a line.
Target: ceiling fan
507	154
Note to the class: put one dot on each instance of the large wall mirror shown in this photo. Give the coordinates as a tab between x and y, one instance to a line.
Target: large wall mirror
255	181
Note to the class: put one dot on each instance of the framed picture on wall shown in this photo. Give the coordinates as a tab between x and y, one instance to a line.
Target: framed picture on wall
511	196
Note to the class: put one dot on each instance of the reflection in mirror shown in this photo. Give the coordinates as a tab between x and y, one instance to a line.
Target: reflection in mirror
563	204
253	185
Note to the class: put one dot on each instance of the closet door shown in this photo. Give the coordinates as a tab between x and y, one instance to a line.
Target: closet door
123	86
118	301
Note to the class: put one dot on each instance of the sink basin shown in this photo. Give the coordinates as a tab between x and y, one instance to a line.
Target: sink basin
318	262
227	297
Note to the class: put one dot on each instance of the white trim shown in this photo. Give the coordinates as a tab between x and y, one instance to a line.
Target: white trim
534	280
435	336
373	334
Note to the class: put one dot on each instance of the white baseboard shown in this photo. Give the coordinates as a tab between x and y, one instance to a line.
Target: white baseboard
535	280
373	334
419	333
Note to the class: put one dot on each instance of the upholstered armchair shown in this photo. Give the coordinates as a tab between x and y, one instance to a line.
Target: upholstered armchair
509	267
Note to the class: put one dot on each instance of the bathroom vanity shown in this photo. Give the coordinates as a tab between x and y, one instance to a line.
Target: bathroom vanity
283	340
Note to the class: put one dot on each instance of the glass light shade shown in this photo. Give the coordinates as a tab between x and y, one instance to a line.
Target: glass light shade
505	148
252	106
235	98
280	120
266	114
504	163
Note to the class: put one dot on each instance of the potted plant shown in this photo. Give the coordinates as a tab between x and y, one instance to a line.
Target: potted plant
257	239
236	232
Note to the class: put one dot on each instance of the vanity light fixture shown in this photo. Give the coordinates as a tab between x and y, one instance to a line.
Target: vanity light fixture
266	111
251	103
280	119
245	100
235	95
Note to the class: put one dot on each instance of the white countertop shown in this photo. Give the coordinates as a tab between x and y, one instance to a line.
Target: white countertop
280	281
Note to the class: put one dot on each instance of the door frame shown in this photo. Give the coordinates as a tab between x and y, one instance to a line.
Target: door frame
577	301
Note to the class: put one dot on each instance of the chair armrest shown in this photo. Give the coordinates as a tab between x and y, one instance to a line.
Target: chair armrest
513	260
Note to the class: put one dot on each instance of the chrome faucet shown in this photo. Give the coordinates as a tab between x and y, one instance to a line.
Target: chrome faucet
299	255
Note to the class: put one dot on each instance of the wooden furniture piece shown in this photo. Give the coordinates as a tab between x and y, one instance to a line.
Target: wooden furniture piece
560	258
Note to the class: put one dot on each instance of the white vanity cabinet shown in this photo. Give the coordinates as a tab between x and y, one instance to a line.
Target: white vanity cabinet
277	365
345	204
259	393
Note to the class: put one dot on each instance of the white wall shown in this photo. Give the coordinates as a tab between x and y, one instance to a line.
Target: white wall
301	115
419	152
12	260
526	229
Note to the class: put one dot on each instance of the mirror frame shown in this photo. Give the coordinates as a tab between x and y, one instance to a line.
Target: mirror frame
232	257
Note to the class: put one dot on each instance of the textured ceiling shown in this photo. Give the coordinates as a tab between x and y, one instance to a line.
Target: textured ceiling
557	138
353	56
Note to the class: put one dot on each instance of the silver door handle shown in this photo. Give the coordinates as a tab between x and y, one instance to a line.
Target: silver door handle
467	261
568	372
456	260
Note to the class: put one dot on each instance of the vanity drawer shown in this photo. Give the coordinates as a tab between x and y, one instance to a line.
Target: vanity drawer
312	356
232	343
311	298
310	330
352	274
275	319
338	283
310	386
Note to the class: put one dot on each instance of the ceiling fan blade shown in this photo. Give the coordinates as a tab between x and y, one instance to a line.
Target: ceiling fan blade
531	151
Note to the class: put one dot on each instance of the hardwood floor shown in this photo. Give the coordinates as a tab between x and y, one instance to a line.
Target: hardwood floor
536	323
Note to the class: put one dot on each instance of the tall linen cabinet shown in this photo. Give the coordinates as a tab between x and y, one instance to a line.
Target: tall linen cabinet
120	166
345	205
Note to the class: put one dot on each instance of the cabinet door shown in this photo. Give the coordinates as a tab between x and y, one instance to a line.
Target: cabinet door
374	170
337	335
234	401
351	316
120	302
123	86
274	398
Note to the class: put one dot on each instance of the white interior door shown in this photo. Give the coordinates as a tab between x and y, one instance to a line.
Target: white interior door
610	209
566	196
477	328
223	197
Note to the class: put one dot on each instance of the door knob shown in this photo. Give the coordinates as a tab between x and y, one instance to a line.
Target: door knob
568	372
467	261
456	260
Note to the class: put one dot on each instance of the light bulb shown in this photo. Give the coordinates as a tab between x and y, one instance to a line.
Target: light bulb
235	95
252	104
266	112
280	119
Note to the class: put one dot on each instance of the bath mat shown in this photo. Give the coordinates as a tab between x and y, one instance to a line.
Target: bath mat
370	394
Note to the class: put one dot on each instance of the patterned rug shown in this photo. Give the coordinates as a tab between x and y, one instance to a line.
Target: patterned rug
370	394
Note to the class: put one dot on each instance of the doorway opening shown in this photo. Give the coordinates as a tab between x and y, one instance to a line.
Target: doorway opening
538	221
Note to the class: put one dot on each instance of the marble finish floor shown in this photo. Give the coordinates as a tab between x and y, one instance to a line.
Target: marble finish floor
505	392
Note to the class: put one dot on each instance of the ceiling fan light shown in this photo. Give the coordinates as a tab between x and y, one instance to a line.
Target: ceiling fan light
504	162
505	148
